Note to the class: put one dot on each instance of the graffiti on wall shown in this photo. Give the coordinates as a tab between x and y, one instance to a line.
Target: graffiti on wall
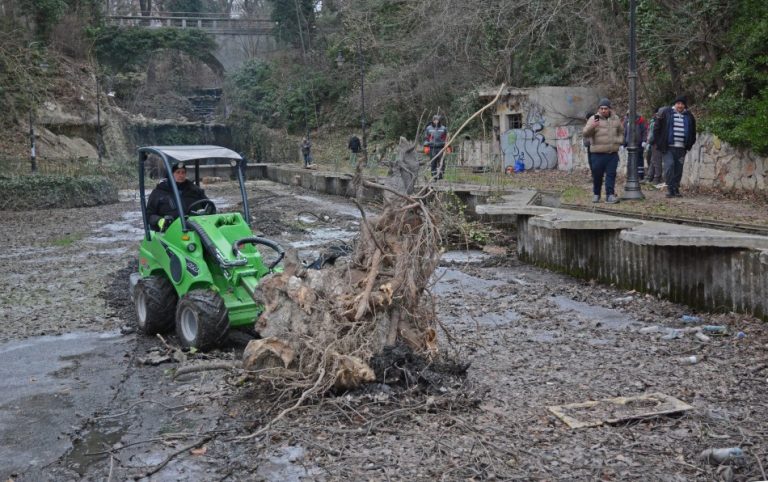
564	149
529	145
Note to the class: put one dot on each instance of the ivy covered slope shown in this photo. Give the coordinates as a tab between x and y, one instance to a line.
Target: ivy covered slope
738	112
46	191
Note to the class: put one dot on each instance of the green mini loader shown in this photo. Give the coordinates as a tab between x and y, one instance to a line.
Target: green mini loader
200	273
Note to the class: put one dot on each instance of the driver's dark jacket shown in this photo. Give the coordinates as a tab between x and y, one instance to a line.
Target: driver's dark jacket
162	203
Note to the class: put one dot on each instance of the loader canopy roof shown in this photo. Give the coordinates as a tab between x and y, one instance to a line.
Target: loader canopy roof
191	153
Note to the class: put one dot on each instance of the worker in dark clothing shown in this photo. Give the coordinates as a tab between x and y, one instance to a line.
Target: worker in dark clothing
435	137
355	148
161	206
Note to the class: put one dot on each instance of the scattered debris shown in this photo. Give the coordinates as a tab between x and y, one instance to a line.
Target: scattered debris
729	455
617	410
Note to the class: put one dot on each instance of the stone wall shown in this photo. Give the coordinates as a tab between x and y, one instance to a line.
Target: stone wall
714	163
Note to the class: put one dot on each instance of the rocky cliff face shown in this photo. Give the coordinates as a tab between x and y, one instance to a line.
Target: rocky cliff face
174	101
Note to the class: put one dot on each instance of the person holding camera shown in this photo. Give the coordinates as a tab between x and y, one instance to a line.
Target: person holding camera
605	134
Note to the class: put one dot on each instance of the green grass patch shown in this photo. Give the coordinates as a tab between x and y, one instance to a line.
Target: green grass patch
67	240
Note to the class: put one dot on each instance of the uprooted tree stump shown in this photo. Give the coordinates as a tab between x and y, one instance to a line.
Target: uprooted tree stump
320	328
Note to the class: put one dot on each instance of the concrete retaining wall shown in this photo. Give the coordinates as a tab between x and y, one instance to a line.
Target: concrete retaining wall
705	269
707	278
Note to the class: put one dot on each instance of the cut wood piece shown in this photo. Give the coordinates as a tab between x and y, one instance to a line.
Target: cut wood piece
352	372
616	410
268	353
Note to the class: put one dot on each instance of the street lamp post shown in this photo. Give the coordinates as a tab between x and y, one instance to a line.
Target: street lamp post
32	150
632	189
99	138
362	100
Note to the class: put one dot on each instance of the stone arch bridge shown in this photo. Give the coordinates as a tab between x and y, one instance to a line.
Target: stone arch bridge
238	39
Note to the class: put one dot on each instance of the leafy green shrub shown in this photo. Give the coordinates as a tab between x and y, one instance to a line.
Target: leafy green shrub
259	89
123	49
44	192
739	112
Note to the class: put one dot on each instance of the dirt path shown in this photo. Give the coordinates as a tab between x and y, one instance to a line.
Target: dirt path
533	338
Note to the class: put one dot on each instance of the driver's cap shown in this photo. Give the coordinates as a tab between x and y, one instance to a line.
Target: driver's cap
176	166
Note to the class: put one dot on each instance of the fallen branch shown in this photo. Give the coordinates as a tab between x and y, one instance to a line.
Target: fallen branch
139	403
165	462
206	367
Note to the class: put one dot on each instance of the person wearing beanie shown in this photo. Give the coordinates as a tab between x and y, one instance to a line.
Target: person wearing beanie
161	205
605	133
674	134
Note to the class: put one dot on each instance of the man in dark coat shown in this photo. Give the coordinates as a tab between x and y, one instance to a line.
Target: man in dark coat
674	134
161	206
355	147
435	137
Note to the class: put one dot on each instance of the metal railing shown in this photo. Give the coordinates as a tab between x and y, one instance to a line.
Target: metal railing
212	23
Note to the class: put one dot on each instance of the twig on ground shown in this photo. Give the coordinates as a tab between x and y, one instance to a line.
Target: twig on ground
304	395
204	367
165	462
128	410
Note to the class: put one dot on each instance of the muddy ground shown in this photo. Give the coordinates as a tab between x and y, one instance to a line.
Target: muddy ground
82	397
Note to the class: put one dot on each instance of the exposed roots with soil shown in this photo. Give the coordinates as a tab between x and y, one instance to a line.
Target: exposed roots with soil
321	328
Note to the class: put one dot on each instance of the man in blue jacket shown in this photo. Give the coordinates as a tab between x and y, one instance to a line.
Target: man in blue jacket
674	134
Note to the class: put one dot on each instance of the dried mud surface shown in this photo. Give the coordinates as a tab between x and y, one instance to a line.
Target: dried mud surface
527	338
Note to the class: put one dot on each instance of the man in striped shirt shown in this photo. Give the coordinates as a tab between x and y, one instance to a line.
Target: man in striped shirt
674	134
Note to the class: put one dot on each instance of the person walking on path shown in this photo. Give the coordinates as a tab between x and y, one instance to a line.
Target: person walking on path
641	127
652	153
435	136
674	134
354	147
306	147
606	134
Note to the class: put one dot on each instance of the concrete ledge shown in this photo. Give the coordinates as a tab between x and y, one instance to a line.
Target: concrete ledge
511	210
663	234
564	219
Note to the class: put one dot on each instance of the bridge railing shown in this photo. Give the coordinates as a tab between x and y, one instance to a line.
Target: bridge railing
211	22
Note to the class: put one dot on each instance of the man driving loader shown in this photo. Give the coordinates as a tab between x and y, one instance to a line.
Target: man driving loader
161	206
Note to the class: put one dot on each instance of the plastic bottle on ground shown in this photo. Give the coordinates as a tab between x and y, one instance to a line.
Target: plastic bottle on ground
714	329
690	360
723	455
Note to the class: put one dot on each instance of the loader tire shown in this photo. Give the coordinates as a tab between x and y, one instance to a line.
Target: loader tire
202	321
155	302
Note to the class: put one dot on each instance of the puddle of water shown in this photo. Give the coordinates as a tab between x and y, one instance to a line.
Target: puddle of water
323	235
128	229
341	208
287	465
452	280
496	319
546	336
45	383
608	318
461	257
221	203
85	450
